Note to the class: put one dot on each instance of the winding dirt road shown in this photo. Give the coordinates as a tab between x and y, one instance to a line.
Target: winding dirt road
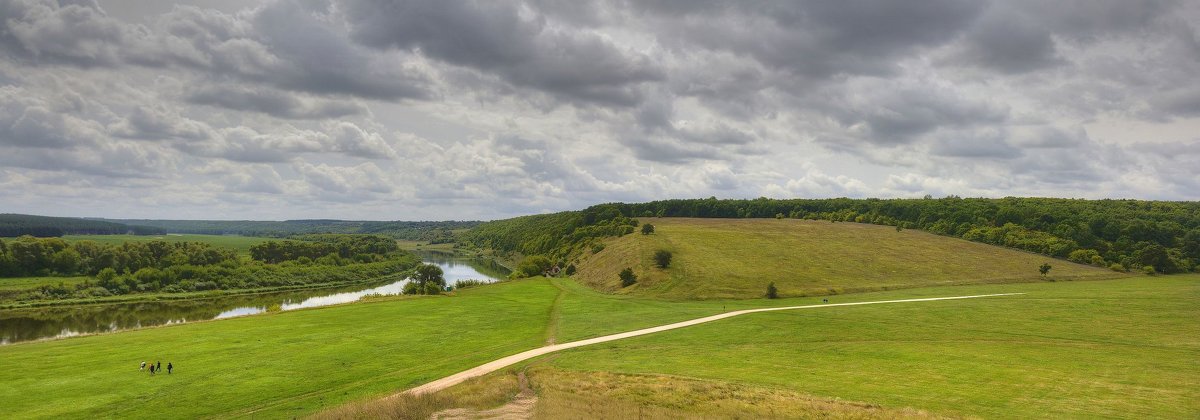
498	364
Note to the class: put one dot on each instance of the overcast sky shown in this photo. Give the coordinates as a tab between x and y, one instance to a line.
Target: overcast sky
433	110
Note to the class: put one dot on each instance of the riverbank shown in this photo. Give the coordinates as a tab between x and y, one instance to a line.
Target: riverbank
208	294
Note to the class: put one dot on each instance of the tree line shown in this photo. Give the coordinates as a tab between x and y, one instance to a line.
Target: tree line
174	267
436	232
1121	234
557	236
14	225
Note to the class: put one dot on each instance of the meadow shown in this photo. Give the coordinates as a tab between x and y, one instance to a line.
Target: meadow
23	283
275	365
1116	348
737	258
1120	347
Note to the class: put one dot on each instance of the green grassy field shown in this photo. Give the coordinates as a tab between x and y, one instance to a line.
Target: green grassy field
737	258
1121	348
1070	348
240	243
276	365
22	283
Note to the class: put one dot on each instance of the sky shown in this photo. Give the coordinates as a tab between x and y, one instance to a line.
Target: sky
479	110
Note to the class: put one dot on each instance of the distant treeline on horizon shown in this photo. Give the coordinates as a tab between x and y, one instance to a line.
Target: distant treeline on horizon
13	225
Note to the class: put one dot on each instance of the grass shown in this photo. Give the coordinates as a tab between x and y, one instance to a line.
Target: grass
1067	349
24	283
737	258
477	393
240	243
602	395
1120	348
276	365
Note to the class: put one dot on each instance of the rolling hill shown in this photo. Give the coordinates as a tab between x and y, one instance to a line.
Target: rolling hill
737	258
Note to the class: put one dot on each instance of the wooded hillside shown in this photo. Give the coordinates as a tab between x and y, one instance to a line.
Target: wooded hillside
1134	234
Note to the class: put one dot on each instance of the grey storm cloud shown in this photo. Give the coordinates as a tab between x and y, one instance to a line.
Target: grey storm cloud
274	102
496	37
436	109
815	39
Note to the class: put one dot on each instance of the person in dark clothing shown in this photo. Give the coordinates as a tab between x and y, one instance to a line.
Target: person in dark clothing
158	366
169	367
151	370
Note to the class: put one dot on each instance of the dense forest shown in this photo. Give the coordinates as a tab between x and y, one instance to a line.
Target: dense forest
1156	236
174	267
14	225
435	232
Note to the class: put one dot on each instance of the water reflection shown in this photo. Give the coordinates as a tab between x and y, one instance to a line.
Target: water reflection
59	322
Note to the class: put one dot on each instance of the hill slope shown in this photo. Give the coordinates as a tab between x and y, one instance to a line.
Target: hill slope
737	258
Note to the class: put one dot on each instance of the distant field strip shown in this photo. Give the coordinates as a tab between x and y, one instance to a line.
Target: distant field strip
493	366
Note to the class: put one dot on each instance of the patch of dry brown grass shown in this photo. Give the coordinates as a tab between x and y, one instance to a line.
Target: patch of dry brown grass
603	395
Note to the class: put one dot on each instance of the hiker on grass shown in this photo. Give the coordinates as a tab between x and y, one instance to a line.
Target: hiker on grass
159	367
151	370
169	367
143	366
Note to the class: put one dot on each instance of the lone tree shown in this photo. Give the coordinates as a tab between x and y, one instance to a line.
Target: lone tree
1045	268
772	292
627	277
428	280
647	229
662	258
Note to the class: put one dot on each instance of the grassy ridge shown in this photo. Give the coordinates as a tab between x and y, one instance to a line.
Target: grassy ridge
1121	348
737	258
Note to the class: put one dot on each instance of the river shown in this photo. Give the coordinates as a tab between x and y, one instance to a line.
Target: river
65	321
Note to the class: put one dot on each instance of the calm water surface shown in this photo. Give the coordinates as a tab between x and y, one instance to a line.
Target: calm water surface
66	321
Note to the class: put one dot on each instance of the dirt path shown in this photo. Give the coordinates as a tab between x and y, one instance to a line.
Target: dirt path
521	407
495	365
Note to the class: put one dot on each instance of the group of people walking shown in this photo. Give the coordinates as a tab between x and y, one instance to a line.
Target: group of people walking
156	367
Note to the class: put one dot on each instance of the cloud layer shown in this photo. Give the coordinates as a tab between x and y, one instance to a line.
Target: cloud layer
374	109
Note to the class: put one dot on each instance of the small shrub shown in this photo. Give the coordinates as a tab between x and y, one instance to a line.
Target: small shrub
570	270
463	284
662	258
597	248
627	277
1149	270
772	292
1117	267
647	229
1045	268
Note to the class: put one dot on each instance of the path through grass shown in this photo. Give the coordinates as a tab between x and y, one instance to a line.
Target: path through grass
1121	348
